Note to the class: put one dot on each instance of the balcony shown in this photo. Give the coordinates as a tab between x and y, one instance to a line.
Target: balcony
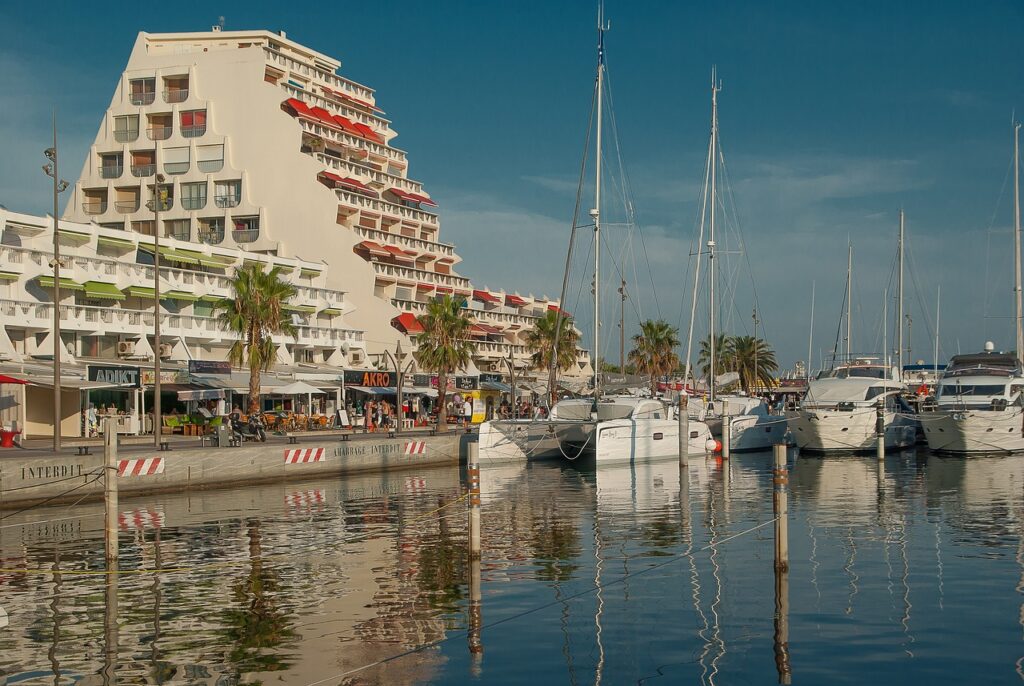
158	133
213	236
192	131
210	166
245	235
126	206
109	171
223	201
174	95
144	98
126	135
94	206
193	203
176	168
179	233
143	170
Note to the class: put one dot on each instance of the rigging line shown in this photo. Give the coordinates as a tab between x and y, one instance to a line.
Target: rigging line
700	239
925	311
52	497
988	242
839	327
552	370
618	272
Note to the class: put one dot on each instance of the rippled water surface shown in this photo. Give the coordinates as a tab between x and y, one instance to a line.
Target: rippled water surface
617	575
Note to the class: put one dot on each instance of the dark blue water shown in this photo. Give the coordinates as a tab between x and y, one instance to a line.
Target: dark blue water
620	575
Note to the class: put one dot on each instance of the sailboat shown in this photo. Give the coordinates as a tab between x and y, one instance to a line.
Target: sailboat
753	426
603	429
979	404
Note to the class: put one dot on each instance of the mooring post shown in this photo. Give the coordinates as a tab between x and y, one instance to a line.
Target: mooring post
110	490
473	469
726	435
684	429
880	431
780	505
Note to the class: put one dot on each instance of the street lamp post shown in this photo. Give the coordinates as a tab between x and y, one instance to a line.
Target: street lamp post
158	203
512	381
396	360
59	186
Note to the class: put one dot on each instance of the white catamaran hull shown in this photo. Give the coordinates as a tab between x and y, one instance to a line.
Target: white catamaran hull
757	432
519	440
977	432
820	430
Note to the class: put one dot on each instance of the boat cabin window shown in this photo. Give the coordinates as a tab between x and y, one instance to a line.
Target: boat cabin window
962	390
1015	389
861	373
876	391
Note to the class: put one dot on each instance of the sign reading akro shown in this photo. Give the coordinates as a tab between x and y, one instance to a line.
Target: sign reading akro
370	379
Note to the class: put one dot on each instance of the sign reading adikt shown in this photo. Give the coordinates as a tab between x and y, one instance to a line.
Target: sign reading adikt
116	375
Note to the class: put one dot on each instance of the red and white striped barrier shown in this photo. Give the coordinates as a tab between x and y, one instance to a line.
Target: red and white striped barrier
304	455
416	448
304	500
415	484
148	518
146	467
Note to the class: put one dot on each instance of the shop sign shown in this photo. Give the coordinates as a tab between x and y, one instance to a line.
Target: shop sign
467	383
424	380
149	377
208	367
495	378
370	379
114	374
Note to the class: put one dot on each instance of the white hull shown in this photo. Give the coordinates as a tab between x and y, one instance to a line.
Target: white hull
972	431
751	433
823	430
521	440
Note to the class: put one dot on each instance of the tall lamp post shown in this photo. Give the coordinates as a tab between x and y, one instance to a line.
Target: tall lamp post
512	382
59	186
159	202
396	359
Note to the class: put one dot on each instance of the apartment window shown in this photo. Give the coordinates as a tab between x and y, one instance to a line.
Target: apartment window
176	160
165	195
211	230
143	227
193	196
126	200
367	221
111	166
403	293
210	158
228	193
143	91
193	123
175	89
143	163
180	229
246	229
126	128
159	127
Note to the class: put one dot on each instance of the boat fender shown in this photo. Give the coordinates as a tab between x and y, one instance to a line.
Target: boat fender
713	446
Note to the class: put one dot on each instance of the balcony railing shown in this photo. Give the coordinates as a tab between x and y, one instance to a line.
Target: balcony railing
226	200
94	206
167	204
126	135
245	235
142	170
173	95
126	206
176	168
210	166
145	98
211	236
193	131
158	133
109	171
193	203
181	234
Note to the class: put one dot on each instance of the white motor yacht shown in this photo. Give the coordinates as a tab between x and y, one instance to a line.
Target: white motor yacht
839	409
978	406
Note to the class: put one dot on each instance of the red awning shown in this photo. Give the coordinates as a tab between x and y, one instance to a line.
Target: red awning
515	300
486	328
446	258
331	176
356	185
367	132
425	287
556	308
300	108
373	248
398	252
346	124
443	289
486	297
423	199
10	379
408	323
477	330
403	195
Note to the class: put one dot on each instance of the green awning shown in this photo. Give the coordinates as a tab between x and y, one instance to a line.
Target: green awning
210	298
331	312
182	256
115	242
107	291
65	283
200	258
180	295
285	268
82	235
140	291
307	309
9	276
222	260
306	272
248	260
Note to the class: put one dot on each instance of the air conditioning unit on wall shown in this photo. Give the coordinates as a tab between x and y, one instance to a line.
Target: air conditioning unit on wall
125	347
165	350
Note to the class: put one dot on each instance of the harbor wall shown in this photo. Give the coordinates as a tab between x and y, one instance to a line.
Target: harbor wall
26	479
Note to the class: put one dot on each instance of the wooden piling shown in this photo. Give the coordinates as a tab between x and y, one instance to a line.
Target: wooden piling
110	543
473	470
880	431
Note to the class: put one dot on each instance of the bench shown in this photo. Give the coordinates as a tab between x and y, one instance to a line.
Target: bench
83	448
292	439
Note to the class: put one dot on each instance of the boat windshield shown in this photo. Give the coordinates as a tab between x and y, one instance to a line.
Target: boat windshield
972	390
861	373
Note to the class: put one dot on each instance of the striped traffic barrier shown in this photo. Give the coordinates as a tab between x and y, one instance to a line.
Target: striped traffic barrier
304	455
416	448
144	467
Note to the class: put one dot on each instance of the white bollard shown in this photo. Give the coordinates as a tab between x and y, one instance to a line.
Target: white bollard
880	432
726	435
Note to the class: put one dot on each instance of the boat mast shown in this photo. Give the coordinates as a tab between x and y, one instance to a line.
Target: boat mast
711	236
810	337
849	297
899	303
1016	237
935	362
596	212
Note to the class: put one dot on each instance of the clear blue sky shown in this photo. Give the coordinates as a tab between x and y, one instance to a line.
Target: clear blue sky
833	115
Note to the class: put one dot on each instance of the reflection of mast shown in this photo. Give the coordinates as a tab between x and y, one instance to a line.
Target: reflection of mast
110	630
158	561
905	619
599	669
716	634
476	646
848	568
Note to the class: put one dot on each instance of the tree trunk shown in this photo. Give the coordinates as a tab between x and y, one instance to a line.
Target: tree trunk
254	375
442	392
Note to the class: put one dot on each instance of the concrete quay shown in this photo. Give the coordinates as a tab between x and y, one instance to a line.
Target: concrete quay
35	475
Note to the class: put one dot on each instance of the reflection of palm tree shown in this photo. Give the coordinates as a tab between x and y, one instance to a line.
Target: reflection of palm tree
554	542
442	574
255	625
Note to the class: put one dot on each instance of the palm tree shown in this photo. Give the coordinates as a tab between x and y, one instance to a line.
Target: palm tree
540	341
255	313
444	345
755	362
653	350
723	356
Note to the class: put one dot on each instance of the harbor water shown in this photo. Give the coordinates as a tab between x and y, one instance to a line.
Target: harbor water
908	570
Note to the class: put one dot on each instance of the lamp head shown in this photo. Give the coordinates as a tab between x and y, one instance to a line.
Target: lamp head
48	168
62	186
159	178
51	153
